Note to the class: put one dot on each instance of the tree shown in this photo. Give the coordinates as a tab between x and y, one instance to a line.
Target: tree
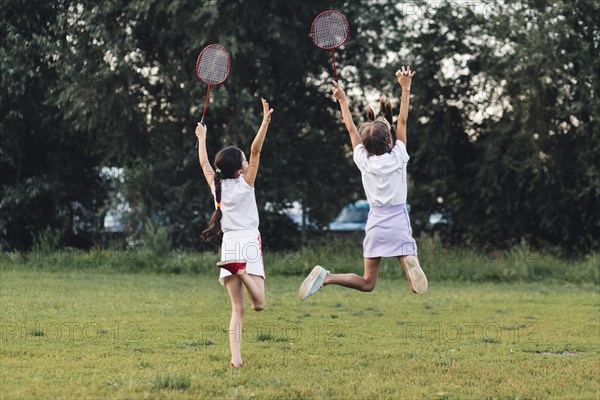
505	145
123	84
538	165
49	173
503	156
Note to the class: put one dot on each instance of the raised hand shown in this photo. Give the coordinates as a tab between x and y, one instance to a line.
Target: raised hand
266	112
338	93
404	76
200	131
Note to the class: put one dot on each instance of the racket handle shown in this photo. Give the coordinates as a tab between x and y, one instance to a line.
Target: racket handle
197	140
334	68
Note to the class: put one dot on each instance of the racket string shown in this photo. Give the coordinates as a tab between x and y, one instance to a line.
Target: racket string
213	66
329	30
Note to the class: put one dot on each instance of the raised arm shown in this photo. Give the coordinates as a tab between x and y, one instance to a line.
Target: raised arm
257	144
404	79
209	173
340	96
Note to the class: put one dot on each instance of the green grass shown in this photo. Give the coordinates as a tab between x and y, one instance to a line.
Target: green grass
101	334
442	263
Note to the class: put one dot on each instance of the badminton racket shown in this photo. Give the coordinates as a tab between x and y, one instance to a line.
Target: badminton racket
212	67
329	31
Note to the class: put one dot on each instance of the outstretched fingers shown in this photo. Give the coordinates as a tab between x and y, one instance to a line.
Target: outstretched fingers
405	71
266	110
410	73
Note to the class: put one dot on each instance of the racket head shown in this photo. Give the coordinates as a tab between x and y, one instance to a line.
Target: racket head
329	30
213	64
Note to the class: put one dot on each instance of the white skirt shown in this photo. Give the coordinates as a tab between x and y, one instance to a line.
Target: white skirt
242	245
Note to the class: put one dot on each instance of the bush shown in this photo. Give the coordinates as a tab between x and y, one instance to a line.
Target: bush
47	241
156	240
339	254
278	232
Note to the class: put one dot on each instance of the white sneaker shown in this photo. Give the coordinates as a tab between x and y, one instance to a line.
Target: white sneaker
313	282
415	275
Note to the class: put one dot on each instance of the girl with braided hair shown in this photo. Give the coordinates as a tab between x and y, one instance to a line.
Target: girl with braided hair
236	215
380	155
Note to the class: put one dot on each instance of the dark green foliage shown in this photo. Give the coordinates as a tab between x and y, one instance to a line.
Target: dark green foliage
49	171
539	162
440	262
502	131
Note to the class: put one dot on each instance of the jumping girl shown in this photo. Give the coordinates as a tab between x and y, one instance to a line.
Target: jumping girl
382	162
236	215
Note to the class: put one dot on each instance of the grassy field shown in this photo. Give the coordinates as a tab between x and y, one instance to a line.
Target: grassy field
519	263
85	334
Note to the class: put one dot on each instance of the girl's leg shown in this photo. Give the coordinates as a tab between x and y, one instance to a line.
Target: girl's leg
365	283
255	289
236	294
415	275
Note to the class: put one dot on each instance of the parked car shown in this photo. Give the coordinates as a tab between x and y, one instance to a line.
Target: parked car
294	213
353	217
436	221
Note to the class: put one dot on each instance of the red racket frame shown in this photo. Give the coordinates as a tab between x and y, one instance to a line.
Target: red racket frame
209	84
334	47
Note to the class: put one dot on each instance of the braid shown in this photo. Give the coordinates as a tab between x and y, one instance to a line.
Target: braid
214	226
218	188
227	162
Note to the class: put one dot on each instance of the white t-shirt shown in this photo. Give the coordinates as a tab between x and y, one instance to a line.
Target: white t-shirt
238	205
384	176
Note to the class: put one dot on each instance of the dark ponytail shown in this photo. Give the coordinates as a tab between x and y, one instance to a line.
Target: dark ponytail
375	133
370	114
214	225
227	162
386	109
